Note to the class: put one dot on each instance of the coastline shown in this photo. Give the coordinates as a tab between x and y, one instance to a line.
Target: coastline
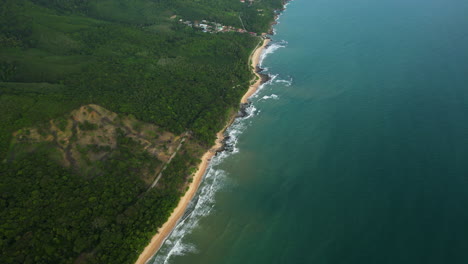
254	61
164	231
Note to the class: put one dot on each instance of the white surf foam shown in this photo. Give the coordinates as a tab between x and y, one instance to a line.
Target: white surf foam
272	78
273	96
286	82
237	128
201	206
271	49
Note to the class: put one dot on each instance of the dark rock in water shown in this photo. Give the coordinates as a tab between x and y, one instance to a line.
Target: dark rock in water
225	145
265	77
242	113
243	110
228	148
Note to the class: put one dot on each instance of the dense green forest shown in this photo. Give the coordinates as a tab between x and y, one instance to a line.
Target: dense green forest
132	58
52	215
150	12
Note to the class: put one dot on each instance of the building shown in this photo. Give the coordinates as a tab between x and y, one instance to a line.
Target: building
205	27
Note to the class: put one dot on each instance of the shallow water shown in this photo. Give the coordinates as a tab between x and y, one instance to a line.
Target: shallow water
357	150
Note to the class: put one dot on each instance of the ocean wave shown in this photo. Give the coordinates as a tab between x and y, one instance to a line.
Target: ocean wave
273	96
286	82
272	78
273	32
271	49
279	13
201	206
235	130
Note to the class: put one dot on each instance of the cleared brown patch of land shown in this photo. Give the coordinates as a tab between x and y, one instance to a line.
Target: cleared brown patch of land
90	134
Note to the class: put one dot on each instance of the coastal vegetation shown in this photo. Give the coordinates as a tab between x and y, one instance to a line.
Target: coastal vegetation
96	96
77	189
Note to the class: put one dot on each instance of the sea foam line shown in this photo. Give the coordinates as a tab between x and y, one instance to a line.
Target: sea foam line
271	49
272	96
286	82
272	78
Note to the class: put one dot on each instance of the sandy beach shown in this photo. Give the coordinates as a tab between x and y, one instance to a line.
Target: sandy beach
255	60
178	212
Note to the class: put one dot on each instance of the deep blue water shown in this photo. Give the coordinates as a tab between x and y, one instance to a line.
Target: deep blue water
362	159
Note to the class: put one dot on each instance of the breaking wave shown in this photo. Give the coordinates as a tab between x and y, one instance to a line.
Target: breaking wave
273	96
286	82
272	78
198	207
271	49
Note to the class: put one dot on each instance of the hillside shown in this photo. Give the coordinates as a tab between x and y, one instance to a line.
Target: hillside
177	77
79	186
99	98
92	135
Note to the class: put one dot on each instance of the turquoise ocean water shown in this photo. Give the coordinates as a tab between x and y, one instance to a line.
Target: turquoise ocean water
355	152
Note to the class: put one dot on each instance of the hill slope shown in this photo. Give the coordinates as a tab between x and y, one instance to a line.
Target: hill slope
97	98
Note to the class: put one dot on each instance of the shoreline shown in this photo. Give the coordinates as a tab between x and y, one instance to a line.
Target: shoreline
254	62
163	232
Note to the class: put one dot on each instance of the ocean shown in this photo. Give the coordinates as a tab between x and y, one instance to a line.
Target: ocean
356	151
